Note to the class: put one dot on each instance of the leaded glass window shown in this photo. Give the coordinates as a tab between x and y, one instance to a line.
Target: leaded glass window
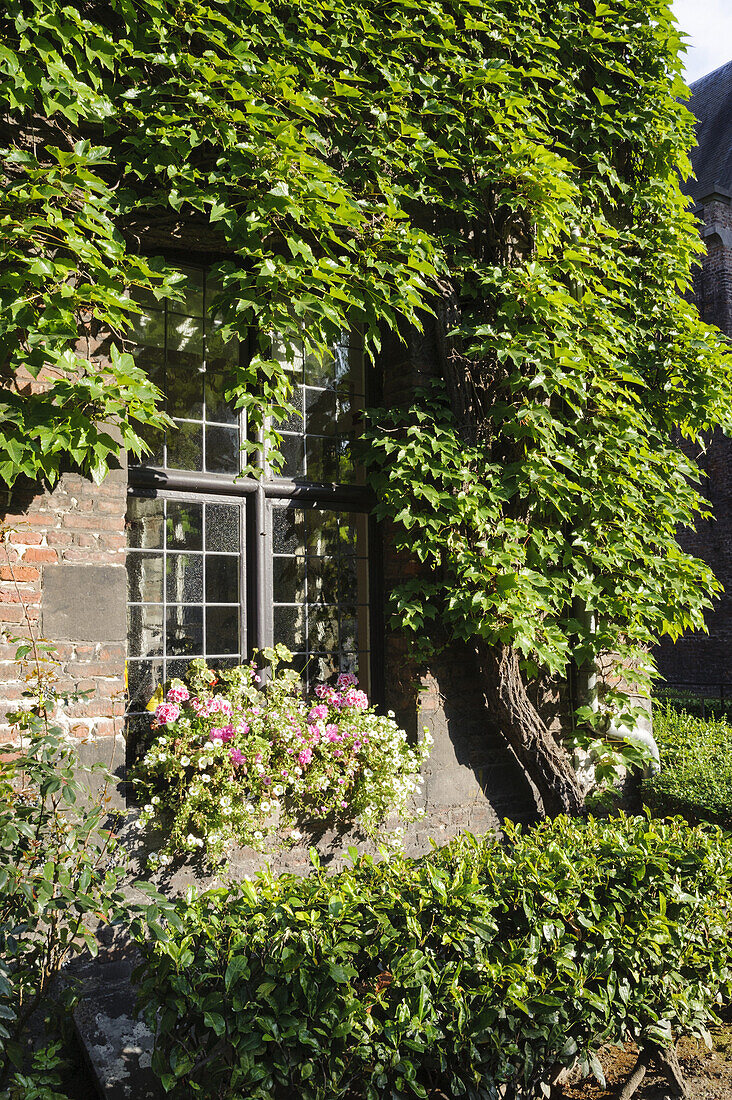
220	564
180	346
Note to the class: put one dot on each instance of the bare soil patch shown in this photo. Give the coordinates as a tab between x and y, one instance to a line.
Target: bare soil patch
708	1073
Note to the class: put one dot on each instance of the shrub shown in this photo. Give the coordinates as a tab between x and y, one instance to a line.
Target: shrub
478	966
235	763
696	766
60	877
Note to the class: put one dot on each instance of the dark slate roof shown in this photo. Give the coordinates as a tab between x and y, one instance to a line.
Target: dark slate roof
711	102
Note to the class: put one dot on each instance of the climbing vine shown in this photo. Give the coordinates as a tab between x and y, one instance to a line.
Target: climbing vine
504	172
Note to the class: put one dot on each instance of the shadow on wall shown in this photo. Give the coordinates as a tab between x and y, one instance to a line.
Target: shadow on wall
472	775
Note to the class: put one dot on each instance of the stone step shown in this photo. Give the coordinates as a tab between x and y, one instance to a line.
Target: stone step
117	1046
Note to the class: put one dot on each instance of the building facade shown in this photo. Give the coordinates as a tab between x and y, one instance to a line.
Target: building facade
176	556
704	661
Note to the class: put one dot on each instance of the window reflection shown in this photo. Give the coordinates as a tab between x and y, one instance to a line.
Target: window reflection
320	589
180	346
328	395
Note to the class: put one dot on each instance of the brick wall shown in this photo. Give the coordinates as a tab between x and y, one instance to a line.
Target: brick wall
62	573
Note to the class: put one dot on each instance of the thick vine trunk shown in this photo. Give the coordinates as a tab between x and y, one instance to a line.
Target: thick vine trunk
545	762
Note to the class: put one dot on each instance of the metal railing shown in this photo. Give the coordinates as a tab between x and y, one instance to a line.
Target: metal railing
698	697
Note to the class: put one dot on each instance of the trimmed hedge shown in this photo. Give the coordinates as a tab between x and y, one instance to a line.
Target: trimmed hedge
696	767
479	965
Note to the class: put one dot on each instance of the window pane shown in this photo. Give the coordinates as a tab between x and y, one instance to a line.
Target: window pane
145	631
148	328
288	580
184	578
217	407
292	449
222	527
322	627
184	523
323	532
320	460
185	386
192	292
222	630
145	523
142	679
322	580
185	336
184	631
288	530
329	627
185	447
154	438
320	412
222	450
294	422
321	667
222	579
144	578
289	627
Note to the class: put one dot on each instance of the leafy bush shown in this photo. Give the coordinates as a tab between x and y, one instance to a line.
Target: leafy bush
235	763
60	876
696	766
479	965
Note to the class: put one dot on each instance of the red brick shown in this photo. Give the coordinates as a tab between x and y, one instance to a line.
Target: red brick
114	653
59	538
43	555
91	523
29	538
18	573
88	557
9	595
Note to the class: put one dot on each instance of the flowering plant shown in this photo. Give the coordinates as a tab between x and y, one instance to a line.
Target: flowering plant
235	761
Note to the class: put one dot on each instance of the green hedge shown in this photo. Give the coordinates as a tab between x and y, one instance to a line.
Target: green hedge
696	766
478	965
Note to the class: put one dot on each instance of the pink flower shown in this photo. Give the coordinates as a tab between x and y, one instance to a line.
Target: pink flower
346	680
314	733
321	711
222	733
243	727
219	705
237	757
178	693
356	699
305	757
331	732
203	707
167	713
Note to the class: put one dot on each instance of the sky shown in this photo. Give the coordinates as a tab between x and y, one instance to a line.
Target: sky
709	26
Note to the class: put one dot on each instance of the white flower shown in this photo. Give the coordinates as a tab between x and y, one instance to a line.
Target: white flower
206	778
278	790
296	834
185	761
156	800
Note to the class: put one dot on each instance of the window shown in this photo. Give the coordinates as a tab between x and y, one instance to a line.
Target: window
219	564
